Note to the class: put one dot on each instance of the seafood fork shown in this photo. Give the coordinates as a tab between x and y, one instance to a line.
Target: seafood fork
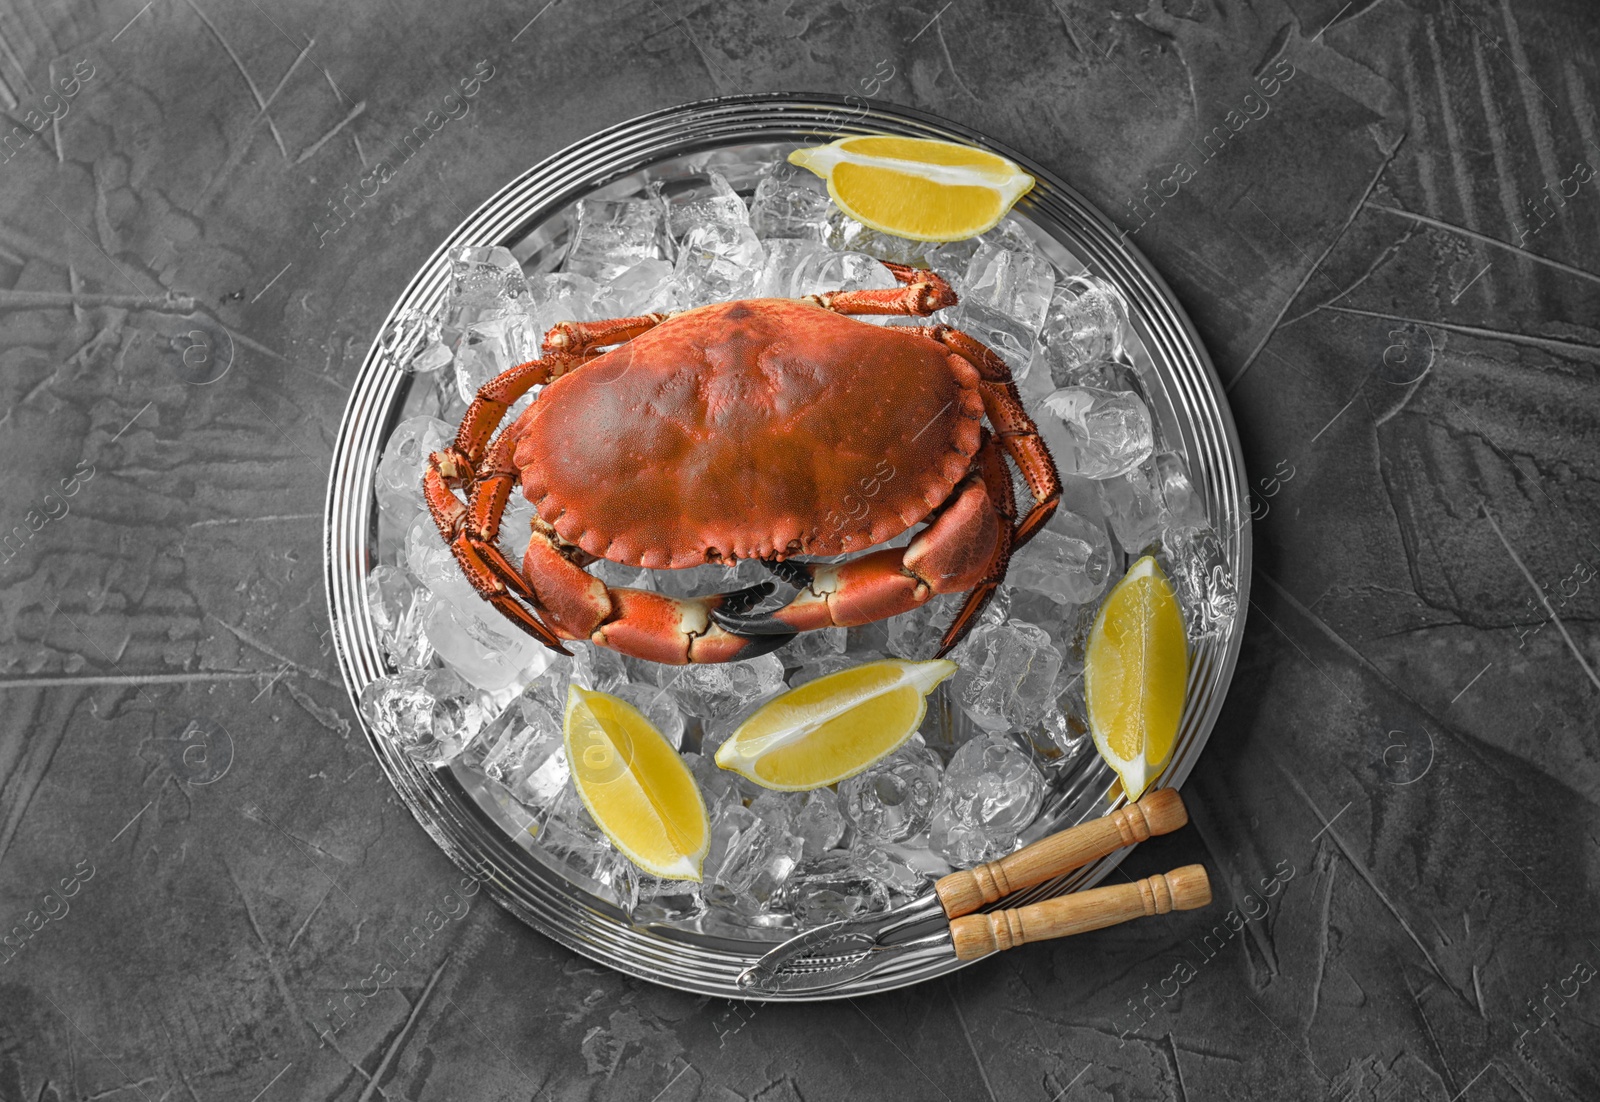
943	922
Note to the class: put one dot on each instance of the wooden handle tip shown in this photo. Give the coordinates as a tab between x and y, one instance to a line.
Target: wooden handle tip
1191	887
1164	811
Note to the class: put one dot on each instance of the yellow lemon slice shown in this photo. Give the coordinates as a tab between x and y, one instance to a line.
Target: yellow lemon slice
635	785
917	188
833	727
1135	675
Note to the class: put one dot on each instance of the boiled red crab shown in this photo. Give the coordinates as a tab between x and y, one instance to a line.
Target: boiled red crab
765	428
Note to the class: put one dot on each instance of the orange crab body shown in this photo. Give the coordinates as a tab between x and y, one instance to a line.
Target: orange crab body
750	430
769	429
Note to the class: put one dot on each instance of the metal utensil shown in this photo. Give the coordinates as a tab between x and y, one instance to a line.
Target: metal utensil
841	951
974	936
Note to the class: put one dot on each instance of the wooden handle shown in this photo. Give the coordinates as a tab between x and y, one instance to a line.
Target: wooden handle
1182	889
963	892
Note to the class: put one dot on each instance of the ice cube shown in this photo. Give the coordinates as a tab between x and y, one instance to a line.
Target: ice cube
831	887
598	669
1062	736
1193	558
993	783
946	725
822	667
485	319
718	255
1153	496
1007	674
694	581
431	715
818	823
405	460
790	202
719	690
515	527
616	574
716	784
1116	376
657	705
569	834
471	644
890	800
1005	295
397	604
469	633
411	338
433	356
795	268
667	901
919	634
612	235
544	783
845	234
517	746
490	346
810	646
549	687
887	866
1110	431
963	844
1069	560
645	288
748	860
778	809
559	296
916	634
485	276
1084	324
991	792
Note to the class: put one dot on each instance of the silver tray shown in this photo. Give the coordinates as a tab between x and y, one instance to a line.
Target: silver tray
531	216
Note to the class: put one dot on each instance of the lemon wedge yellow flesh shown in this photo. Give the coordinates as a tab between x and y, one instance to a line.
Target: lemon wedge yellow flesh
1136	672
633	782
916	187
833	727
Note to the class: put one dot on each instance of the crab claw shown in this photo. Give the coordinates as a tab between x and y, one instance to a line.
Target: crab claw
675	630
719	638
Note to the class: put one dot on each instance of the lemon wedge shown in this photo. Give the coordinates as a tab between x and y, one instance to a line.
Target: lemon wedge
833	727
915	187
1135	675
633	782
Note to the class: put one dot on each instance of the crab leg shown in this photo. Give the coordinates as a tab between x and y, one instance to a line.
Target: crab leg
922	293
457	463
481	561
966	547
571	337
470	530
1018	435
997	480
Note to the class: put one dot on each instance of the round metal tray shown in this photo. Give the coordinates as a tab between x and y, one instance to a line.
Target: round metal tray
531	216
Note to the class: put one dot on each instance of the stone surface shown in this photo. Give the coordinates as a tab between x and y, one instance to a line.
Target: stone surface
1400	800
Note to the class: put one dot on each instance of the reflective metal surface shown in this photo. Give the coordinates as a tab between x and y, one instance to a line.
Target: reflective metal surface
530	216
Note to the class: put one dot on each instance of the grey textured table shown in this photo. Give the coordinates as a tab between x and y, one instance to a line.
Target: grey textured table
1393	257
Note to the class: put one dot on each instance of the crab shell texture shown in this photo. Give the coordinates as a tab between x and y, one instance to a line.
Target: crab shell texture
763	428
